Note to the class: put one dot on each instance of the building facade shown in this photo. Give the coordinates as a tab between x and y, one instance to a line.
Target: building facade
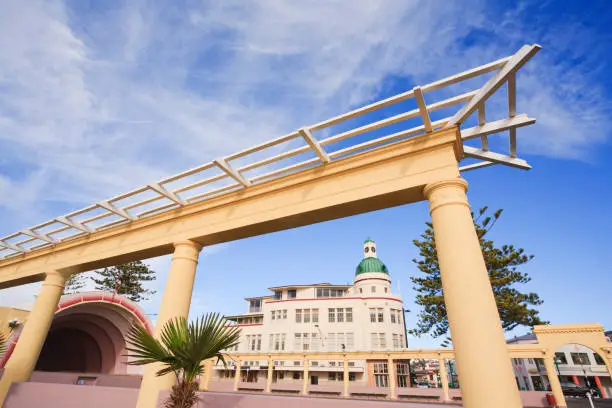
363	316
574	363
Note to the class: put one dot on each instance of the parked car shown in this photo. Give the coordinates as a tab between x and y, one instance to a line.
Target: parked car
574	390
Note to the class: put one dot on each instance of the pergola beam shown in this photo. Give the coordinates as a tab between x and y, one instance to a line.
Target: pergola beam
476	166
514	63
314	145
470	151
418	95
166	193
73	224
497	126
115	210
42	237
13	247
230	171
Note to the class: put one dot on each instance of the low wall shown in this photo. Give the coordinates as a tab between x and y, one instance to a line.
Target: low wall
31	394
102	380
56	395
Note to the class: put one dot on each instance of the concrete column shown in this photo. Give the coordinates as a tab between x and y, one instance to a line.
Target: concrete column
175	303
392	378
305	382
474	321
345	393
443	379
205	379
237	375
25	354
270	374
553	380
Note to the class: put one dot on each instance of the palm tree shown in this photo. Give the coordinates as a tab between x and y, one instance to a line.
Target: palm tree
181	349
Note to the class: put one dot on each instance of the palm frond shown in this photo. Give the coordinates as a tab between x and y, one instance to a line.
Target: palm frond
183	346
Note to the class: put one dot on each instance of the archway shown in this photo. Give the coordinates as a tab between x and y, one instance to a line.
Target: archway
579	367
70	350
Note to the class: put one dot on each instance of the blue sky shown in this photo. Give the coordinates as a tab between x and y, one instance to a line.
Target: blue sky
97	98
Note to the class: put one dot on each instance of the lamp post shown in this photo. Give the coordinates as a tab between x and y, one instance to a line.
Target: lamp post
322	343
557	362
405	326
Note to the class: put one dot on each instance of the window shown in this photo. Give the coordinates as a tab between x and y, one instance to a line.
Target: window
277	341
598	359
327	292
291	294
401	341
351	364
340	315
254	342
352	377
331	376
340	341
315	315
273	314
560	358
373	289
332	363
381	376
314	363
278	295
306	315
349	314
580	358
296	375
255	306
305	341
403	374
360	290
377	315
296	363
386	290
378	340
395	341
284	313
298	315
331	316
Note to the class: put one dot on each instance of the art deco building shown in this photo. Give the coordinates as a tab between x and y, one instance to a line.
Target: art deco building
364	316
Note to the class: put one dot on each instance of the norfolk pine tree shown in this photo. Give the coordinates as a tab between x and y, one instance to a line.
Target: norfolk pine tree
126	279
503	265
74	284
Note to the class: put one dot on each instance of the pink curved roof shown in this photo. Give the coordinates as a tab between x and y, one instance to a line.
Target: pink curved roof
93	297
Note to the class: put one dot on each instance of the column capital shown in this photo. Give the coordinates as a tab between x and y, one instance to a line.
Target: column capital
455	182
187	243
55	278
186	249
446	192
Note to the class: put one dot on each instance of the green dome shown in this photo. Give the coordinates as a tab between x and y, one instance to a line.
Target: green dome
369	265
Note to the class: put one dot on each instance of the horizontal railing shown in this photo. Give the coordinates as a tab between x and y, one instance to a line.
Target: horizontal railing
222	176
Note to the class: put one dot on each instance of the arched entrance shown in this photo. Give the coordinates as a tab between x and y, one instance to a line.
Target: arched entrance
87	335
579	367
70	350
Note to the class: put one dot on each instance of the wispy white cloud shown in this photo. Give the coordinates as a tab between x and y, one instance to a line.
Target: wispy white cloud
97	100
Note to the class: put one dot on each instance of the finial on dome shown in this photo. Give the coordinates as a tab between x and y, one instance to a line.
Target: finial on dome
369	248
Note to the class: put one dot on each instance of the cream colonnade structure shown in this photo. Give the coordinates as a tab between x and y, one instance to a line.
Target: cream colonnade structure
376	158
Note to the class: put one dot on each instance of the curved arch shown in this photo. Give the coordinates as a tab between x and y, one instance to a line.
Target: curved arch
113	315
